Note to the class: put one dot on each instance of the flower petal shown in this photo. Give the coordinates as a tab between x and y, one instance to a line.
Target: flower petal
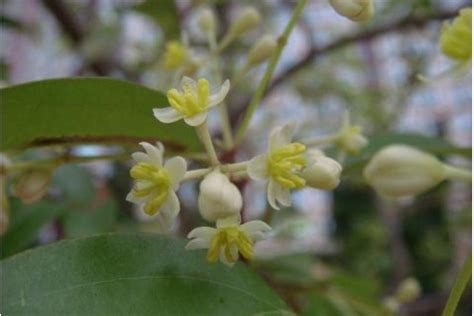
256	229
141	157
155	153
176	168
203	232
167	115
133	199
218	97
198	243
171	206
196	119
257	167
271	196
282	194
281	135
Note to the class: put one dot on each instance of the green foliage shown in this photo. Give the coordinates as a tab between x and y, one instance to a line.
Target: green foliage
86	110
85	222
26	222
130	274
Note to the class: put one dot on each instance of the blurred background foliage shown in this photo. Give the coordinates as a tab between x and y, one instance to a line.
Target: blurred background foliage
352	257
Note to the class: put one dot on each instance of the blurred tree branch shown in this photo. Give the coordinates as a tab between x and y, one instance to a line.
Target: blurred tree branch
77	34
407	22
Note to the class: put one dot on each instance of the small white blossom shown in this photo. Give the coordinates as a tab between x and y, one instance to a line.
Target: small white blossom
192	103
228	239
155	183
281	166
350	138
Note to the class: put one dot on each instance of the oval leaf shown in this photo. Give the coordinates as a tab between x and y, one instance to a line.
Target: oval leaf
86	110
130	274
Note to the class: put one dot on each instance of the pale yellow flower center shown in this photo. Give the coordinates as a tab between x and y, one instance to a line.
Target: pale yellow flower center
192	100
456	38
284	164
228	238
156	184
175	55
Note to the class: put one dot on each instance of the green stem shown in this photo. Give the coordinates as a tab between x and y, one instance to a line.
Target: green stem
455	173
228	168
461	281
203	133
321	140
269	72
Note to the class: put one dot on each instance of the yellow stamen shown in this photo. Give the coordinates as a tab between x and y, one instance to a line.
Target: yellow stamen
154	185
456	38
192	100
175	55
284	164
227	239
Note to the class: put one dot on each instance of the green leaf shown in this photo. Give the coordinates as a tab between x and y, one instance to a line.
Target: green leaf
164	13
86	110
130	274
319	305
27	220
80	223
432	145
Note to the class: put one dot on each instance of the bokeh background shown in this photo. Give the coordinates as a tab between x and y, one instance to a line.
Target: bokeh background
356	247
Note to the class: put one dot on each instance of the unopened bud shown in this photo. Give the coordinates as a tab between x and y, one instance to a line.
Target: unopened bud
207	20
401	170
32	185
246	20
351	140
456	37
355	10
218	197
261	50
391	303
408	291
322	172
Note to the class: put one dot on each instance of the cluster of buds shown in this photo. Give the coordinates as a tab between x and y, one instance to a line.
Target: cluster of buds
180	57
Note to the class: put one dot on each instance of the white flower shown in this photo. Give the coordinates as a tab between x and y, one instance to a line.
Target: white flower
400	170
281	166
228	239
155	184
350	138
321	172
218	197
193	103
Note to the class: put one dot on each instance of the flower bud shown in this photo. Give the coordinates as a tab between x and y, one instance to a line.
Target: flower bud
408	290
456	38
355	10
32	185
322	172
247	19
218	197
261	50
207	21
401	170
351	140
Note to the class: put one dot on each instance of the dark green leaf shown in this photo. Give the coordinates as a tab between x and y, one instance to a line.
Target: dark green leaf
319	305
130	274
86	110
27	220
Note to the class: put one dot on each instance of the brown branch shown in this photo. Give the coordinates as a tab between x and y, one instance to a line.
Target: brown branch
411	21
75	32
